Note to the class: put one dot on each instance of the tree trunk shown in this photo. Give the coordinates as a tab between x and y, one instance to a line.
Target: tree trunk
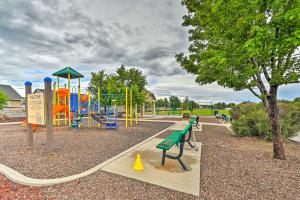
273	112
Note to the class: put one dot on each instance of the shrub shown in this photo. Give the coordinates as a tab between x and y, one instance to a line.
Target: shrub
250	119
3	99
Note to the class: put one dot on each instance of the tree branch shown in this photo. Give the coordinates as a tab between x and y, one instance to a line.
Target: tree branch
255	93
288	59
261	84
266	73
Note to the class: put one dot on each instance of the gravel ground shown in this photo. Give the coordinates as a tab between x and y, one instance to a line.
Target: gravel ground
231	168
13	191
15	119
74	151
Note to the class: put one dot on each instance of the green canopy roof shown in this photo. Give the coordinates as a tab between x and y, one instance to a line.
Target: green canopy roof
66	71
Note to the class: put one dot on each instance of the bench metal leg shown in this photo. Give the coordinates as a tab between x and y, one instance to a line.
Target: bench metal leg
191	145
182	164
177	157
189	138
163	157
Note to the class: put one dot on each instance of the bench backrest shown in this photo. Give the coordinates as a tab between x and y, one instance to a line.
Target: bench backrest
187	128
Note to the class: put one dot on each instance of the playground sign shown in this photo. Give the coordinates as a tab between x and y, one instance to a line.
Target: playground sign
36	108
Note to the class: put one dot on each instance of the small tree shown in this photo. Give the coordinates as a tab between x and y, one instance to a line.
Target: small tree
3	99
185	103
174	101
166	103
160	103
192	105
245	44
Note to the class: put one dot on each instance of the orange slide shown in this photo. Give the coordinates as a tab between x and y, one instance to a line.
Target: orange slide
60	108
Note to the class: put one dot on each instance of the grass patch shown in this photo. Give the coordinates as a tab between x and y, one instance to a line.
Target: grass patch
201	112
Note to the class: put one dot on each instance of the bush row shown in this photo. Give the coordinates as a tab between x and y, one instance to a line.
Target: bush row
251	119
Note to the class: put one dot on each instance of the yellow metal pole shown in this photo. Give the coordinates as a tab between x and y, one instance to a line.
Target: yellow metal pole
126	107
54	102
78	97
130	106
99	96
69	97
58	102
65	102
89	110
136	113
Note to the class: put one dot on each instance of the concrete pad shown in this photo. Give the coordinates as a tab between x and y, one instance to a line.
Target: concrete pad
170	176
296	138
200	127
180	125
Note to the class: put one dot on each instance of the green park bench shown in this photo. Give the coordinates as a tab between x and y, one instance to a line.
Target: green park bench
226	118
178	138
195	121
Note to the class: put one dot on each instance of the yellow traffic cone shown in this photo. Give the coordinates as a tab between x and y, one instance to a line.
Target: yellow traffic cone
138	165
24	123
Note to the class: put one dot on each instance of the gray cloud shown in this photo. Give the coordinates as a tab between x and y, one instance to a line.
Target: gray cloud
62	32
40	37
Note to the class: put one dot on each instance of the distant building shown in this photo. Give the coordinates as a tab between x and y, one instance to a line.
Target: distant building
150	97
37	90
14	98
149	104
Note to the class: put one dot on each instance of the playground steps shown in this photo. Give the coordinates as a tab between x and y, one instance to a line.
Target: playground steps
109	125
97	118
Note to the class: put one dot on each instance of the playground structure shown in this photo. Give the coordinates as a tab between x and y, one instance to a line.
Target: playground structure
74	105
61	106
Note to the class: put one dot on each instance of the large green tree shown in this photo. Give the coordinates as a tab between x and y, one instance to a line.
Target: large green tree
245	44
99	79
116	84
3	99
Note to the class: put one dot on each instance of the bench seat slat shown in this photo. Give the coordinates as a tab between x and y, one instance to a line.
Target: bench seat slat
174	138
167	143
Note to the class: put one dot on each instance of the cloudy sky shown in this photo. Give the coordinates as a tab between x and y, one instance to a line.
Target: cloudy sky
38	38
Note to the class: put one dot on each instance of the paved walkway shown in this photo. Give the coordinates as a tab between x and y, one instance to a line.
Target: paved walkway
10	123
